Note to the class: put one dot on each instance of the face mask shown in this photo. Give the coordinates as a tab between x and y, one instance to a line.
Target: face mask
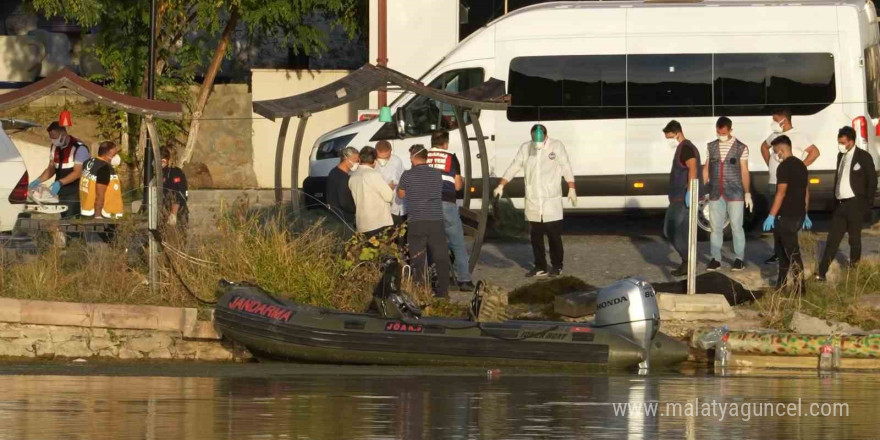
164	163
776	127
58	142
724	138
382	162
673	142
779	157
354	166
538	135
116	161
842	148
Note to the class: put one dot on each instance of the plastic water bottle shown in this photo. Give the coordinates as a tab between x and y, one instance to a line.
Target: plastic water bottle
722	352
825	355
712	338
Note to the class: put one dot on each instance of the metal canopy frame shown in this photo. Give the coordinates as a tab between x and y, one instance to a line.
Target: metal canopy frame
150	109
487	96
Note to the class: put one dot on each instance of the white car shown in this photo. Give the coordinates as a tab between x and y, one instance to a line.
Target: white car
13	179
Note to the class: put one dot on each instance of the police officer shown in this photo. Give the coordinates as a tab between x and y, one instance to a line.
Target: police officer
544	163
66	157
175	192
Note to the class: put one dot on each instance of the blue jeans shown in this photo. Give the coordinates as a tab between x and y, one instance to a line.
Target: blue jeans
720	210
675	228
455	235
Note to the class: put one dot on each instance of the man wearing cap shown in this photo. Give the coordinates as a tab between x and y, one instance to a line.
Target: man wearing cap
66	157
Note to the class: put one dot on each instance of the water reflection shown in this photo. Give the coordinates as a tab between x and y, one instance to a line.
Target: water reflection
256	401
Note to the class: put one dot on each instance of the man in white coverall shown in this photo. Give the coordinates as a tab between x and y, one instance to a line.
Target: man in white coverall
544	162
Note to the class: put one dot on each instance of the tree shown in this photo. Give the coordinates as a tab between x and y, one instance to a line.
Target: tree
190	34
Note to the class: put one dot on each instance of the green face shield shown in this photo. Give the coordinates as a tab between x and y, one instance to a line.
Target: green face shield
538	135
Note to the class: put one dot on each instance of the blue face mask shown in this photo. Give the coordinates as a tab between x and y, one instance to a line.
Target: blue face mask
538	135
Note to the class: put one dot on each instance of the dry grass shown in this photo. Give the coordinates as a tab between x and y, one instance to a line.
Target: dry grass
836	300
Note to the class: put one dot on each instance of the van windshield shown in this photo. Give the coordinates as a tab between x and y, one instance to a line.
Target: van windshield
872	80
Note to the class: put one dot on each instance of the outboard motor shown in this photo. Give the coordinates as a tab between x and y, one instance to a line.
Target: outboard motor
629	308
388	299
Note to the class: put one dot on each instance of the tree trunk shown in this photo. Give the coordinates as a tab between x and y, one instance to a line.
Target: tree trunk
207	85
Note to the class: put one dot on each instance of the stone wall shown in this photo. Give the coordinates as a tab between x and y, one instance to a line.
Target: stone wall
48	329
223	157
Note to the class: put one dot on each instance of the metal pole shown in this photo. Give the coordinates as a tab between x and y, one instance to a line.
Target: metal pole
383	46
279	156
466	151
692	236
151	91
294	161
485	192
151	180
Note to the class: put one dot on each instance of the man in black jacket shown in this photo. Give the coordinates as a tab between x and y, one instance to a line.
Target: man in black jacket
854	186
338	195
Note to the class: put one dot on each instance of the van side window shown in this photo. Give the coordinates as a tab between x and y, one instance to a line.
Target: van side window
567	87
424	115
752	84
582	87
672	85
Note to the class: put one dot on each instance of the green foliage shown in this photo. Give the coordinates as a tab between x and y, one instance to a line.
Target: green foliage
187	38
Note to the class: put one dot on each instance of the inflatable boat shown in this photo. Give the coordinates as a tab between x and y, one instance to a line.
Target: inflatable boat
623	335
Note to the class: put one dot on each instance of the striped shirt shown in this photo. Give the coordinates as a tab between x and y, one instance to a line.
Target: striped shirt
423	186
724	149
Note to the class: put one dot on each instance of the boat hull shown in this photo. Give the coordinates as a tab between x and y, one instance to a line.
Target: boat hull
284	330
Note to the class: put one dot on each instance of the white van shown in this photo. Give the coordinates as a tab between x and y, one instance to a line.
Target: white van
13	181
606	77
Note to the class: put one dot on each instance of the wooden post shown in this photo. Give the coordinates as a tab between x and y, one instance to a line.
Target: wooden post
692	236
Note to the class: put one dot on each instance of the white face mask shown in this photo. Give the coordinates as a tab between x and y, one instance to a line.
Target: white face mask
116	161
842	148
723	138
353	166
382	162
672	142
58	142
779	157
775	127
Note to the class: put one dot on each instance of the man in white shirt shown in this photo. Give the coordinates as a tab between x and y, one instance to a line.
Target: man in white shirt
372	196
801	147
391	168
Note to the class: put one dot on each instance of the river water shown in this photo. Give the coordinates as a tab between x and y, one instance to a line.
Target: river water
284	401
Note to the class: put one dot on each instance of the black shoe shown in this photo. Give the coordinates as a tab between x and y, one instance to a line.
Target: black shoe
555	271
681	271
466	286
713	265
738	265
536	273
819	278
772	260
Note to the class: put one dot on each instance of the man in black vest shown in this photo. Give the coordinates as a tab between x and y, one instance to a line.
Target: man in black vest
854	186
685	163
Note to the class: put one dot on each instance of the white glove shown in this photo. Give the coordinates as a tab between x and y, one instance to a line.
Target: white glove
499	191
748	200
172	219
572	197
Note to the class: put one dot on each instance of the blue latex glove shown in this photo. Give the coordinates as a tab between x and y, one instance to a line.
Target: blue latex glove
687	199
808	224
55	188
34	184
768	223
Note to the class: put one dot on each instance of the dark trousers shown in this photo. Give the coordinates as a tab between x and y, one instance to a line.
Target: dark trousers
399	220
553	230
847	219
69	196
785	236
425	237
675	228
